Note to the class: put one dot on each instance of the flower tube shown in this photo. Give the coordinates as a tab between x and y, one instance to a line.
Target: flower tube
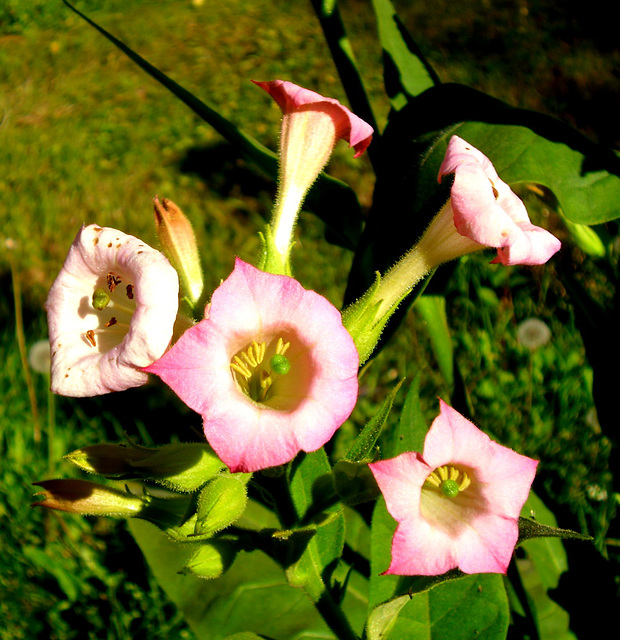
110	311
311	126
271	369
482	212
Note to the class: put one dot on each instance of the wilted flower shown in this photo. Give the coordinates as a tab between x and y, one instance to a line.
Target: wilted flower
533	333
311	126
110	311
270	368
457	504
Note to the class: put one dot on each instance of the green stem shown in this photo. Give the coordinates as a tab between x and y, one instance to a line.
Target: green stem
334	617
21	344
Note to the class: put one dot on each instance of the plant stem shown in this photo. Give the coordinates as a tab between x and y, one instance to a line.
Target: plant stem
334	617
21	344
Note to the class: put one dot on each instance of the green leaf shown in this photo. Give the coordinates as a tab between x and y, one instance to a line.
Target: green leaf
474	606
540	569
362	449
432	309
219	608
524	146
410	432
406	72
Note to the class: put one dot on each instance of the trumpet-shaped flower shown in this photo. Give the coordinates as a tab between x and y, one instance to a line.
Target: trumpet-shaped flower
270	368
311	126
458	503
482	211
111	311
486	210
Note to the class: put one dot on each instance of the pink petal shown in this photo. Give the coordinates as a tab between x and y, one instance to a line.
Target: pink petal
307	408
487	211
291	97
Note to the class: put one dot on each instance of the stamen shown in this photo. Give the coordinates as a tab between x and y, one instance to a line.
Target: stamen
112	321
252	375
129	291
90	336
112	281
239	366
448	480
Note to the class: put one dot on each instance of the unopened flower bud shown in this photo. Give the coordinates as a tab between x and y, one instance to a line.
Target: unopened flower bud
89	499
183	467
220	504
211	560
179	244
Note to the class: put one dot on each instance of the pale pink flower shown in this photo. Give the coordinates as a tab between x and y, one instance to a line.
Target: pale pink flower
110	311
457	504
270	368
487	211
311	126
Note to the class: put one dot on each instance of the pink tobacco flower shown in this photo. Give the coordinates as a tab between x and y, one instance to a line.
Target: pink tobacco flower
292	98
457	504
311	126
488	212
110	311
270	368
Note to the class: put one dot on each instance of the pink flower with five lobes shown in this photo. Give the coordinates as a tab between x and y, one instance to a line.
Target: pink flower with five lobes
271	369
110	312
487	211
458	503
311	126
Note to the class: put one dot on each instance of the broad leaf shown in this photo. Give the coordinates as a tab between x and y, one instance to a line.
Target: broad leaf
219	608
406	73
540	569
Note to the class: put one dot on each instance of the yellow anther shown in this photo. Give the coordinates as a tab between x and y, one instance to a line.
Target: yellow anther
443	473
282	347
453	474
238	365
465	482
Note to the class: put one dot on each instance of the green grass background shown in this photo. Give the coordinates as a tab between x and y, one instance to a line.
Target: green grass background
88	137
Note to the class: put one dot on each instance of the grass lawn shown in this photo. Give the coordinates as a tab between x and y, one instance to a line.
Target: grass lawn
86	137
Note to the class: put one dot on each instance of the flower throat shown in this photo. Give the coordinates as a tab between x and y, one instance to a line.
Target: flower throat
255	376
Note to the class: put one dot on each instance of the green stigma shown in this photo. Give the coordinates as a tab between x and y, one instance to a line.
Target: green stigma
450	488
280	364
101	299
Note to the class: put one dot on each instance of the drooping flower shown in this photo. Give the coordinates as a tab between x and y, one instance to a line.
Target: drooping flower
271	369
457	504
110	311
311	126
482	212
486	210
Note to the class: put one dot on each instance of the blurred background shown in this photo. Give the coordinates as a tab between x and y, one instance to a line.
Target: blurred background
86	136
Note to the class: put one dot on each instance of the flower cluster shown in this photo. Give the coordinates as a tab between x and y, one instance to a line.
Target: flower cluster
272	369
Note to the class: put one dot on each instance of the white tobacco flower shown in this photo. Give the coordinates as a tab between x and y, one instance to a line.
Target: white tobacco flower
111	311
